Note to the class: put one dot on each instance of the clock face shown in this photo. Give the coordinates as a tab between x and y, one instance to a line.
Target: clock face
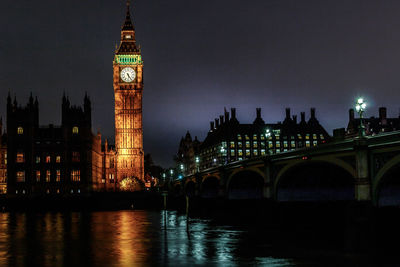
128	74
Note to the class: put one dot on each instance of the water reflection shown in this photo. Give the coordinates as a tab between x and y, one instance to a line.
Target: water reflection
121	238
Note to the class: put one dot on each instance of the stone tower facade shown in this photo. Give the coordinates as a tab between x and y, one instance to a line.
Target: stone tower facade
128	91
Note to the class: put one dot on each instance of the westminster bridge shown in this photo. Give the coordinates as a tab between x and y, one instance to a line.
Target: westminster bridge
361	169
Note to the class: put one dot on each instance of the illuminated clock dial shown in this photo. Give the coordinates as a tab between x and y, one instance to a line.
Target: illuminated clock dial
128	74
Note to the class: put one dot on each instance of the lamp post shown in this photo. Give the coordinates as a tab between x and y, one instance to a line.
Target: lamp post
197	160
224	158
267	136
360	108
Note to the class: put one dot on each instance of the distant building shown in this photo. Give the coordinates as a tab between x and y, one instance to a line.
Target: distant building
186	157
373	125
229	141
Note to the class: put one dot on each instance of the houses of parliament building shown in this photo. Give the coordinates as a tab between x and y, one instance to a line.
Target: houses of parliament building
70	159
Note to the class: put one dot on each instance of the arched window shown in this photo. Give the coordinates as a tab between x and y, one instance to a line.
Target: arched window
20	130
75	130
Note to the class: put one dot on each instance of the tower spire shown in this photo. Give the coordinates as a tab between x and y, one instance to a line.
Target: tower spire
128	25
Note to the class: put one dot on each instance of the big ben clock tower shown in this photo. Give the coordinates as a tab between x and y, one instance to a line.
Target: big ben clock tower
128	91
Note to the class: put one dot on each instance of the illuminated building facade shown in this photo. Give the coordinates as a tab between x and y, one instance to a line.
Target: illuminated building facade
228	140
128	90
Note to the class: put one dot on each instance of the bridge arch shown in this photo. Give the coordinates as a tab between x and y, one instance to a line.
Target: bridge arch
386	185
190	188
210	186
246	184
315	180
177	189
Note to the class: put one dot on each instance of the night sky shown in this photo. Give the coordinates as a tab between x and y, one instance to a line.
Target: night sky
202	56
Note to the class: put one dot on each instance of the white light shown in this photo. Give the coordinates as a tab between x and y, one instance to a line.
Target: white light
358	108
360	101
182	167
363	105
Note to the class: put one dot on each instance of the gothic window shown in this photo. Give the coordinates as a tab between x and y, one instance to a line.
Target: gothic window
37	176
20	130
48	174
232	152
247	152
75	130
240	152
247	144
255	145
263	152
307	143
58	159
48	159
239	137
76	157
315	143
232	144
20	157
58	175
37	159
255	137
75	175
255	152
20	176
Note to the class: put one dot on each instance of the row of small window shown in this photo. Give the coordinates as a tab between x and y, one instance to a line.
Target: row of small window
262	152
47	191
271	144
76	157
75	176
277	136
20	130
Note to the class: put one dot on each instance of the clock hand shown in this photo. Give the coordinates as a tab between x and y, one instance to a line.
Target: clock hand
128	75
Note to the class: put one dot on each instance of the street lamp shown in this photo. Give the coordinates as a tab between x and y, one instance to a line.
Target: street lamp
360	108
267	136
197	160
224	156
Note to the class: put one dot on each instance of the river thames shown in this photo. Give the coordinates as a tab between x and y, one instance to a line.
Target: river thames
149	238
